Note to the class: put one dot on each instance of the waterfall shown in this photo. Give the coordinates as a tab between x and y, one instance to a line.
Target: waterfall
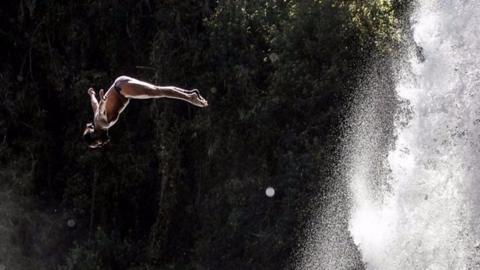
417	206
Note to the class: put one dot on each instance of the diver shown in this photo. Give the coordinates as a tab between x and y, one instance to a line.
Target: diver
110	105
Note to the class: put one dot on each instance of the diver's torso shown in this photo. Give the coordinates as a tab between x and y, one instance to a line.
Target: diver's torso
109	108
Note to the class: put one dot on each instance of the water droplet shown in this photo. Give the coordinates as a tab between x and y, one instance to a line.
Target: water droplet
70	223
270	192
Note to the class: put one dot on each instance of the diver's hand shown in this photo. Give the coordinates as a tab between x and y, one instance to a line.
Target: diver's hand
91	91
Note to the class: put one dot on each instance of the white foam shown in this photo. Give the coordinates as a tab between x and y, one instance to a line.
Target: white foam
429	217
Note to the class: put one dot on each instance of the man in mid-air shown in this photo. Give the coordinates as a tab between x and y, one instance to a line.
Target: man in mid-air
107	109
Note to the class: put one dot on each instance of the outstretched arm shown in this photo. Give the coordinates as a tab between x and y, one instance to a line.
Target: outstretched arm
93	100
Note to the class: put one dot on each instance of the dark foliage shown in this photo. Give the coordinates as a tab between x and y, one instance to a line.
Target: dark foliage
178	187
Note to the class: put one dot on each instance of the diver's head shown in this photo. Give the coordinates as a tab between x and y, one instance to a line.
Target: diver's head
95	138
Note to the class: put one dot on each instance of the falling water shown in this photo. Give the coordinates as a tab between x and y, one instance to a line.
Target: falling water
419	207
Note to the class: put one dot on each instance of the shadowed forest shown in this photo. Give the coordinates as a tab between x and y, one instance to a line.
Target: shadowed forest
178	187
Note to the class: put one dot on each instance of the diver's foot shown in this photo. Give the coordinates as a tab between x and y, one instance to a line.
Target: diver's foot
197	99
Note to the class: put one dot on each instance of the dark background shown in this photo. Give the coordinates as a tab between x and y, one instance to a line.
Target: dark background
179	187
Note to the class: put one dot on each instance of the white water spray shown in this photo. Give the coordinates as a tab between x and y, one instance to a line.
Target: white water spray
424	212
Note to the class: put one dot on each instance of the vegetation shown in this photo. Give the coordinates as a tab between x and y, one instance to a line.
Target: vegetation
179	187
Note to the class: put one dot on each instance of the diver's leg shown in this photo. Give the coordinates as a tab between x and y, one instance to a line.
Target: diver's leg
133	88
